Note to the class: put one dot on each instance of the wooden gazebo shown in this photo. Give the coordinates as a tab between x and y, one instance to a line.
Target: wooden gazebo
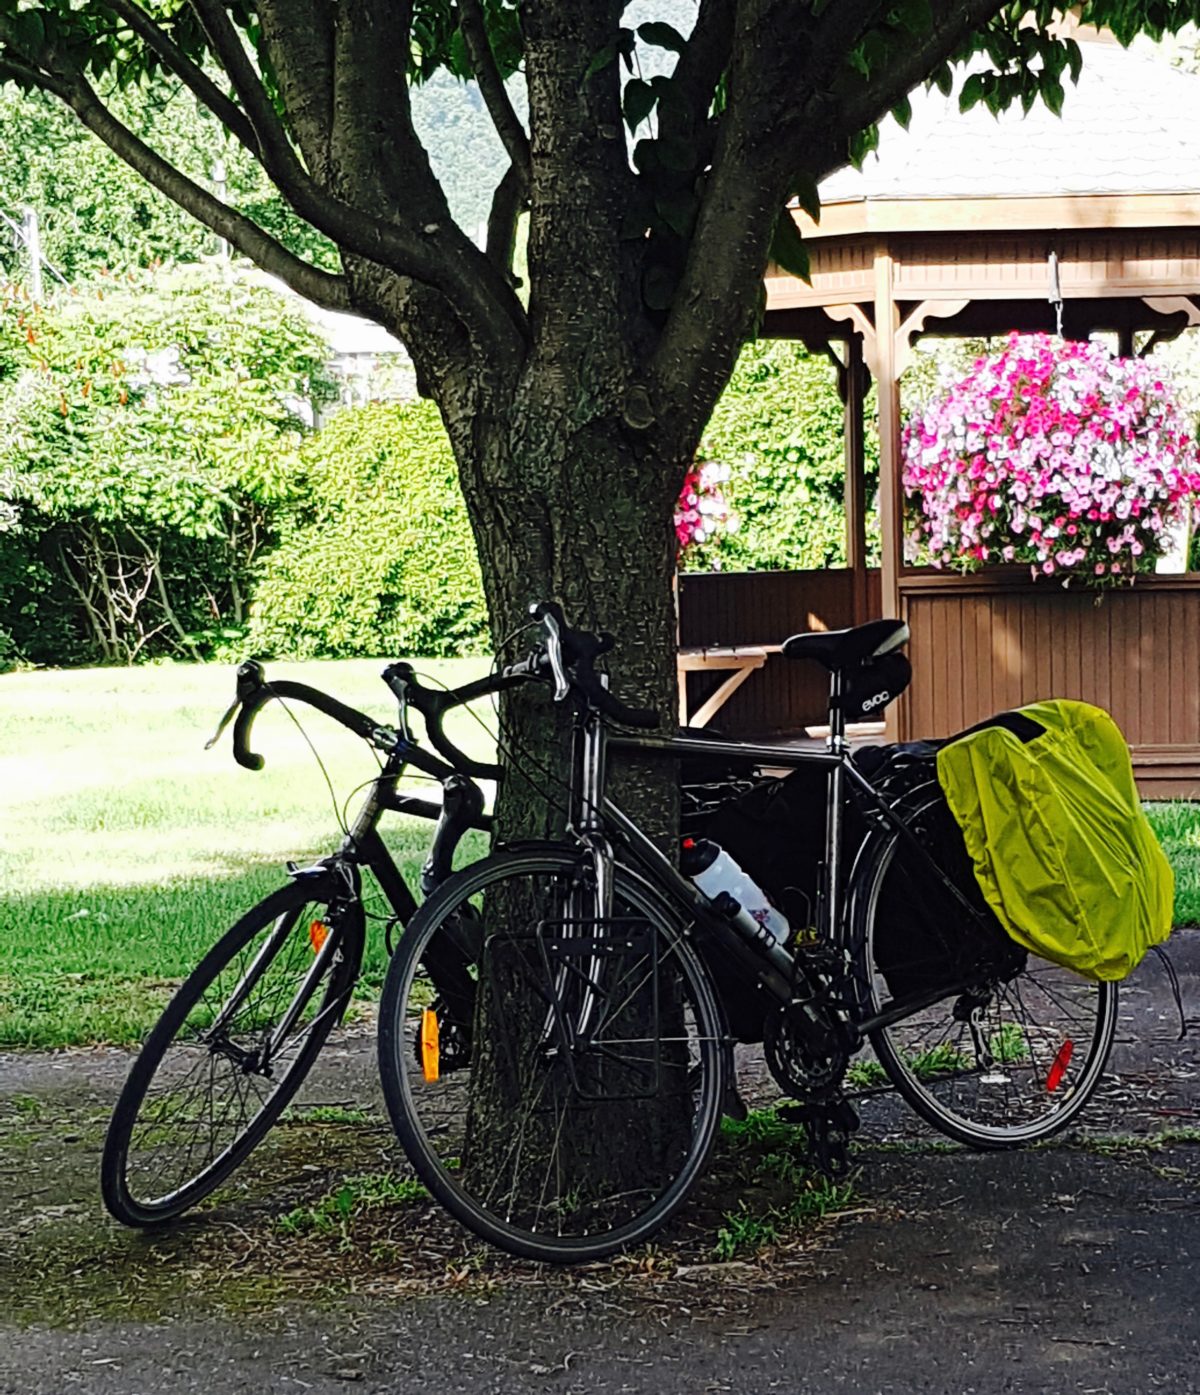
965	225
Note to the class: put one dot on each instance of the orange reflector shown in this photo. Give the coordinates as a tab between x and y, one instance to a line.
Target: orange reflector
1059	1068
318	933
429	1044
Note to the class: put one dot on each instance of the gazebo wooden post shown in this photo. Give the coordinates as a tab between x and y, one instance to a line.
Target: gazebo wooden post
887	387
856	379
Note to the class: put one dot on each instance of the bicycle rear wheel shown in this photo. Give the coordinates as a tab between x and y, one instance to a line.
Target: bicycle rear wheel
556	1081
1017	1045
230	1050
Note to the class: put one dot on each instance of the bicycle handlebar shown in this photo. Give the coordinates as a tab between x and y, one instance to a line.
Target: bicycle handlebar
434	703
574	652
569	658
253	694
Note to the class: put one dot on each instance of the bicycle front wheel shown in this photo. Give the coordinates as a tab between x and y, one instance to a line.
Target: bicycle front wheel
230	1050
1016	1046
556	1080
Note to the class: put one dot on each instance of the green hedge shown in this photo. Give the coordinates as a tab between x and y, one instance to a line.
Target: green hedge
149	429
778	426
380	559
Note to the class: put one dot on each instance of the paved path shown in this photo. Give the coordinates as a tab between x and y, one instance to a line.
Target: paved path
1065	1269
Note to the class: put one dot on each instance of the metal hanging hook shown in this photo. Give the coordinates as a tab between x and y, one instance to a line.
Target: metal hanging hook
1055	297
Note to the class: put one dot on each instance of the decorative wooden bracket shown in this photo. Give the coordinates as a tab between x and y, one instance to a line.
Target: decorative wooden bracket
859	319
913	323
1172	305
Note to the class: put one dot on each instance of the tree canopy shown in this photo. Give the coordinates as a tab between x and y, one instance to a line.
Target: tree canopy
655	160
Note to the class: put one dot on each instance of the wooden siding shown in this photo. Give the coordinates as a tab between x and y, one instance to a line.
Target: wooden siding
725	608
979	645
982	646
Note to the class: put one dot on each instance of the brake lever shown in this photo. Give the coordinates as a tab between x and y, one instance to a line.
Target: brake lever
223	723
250	678
562	686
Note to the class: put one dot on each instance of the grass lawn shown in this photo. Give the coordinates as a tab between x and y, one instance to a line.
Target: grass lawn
126	849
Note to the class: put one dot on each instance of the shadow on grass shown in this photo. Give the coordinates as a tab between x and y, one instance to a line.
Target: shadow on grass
98	964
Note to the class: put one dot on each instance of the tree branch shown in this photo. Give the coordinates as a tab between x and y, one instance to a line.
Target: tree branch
156	39
298	37
507	203
432	253
954	21
491	86
838	30
699	69
307	280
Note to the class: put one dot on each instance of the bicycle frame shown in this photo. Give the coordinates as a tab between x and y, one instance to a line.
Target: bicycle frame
362	846
594	814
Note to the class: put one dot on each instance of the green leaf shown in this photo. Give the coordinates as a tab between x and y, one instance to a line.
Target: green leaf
902	111
638	102
678	210
626	43
944	79
788	248
1074	59
662	35
645	157
861	145
807	195
601	60
972	92
1052	92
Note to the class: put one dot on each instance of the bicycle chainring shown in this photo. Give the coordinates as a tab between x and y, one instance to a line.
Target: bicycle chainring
798	1071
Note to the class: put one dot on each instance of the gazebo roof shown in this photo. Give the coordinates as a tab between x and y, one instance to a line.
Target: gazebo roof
1128	127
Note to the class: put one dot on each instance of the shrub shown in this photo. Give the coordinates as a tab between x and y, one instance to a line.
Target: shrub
779	428
148	431
1056	455
379	559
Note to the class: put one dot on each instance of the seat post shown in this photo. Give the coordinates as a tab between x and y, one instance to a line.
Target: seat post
837	716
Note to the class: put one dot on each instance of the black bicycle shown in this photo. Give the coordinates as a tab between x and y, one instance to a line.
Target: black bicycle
243	1030
563	1100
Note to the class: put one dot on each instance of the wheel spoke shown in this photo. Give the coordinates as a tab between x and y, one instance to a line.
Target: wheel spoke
196	1103
594	1080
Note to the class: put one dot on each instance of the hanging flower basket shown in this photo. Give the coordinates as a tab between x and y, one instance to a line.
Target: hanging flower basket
1054	454
701	512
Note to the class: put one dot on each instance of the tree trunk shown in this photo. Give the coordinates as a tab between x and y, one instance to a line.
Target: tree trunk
580	513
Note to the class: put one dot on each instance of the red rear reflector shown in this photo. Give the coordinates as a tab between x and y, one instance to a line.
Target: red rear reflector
318	933
1055	1078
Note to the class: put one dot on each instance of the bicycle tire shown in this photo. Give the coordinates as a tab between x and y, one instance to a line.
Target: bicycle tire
519	1178
1033	1055
155	1164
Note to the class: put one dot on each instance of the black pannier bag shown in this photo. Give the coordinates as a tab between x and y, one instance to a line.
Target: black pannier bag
924	937
775	831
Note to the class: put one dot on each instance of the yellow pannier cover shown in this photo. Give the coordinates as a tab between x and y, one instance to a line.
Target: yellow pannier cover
1062	850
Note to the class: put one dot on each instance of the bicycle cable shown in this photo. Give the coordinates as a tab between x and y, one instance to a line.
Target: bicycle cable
337	812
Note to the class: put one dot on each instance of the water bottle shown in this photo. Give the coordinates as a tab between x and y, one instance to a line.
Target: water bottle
730	888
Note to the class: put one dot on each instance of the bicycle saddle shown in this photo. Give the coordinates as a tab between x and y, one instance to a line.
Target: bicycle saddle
841	649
